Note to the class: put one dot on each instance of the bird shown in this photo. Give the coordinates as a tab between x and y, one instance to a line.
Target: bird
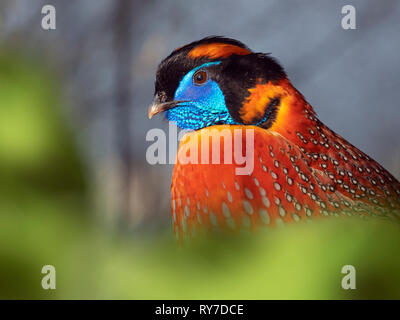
302	169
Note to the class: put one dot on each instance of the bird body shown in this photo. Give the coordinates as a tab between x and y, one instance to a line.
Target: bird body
301	169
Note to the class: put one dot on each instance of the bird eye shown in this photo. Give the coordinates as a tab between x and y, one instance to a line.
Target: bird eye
200	77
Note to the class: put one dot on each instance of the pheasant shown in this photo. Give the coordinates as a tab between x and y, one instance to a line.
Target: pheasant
301	169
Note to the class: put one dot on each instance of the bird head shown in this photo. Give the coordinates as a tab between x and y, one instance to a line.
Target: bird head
218	81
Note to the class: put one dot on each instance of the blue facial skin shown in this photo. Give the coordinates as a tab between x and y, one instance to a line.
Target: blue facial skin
205	106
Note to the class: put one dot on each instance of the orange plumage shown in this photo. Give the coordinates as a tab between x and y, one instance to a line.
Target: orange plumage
216	50
302	169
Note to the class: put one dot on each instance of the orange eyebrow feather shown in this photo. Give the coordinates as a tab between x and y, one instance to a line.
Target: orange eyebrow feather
217	50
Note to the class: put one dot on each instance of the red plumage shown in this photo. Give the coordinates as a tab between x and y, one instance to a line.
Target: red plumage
302	170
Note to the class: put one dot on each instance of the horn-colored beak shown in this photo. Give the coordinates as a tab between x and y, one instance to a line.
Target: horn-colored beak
157	107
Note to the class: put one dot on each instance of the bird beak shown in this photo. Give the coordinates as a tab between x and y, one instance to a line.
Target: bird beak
157	106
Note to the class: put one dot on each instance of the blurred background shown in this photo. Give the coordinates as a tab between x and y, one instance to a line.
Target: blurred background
76	191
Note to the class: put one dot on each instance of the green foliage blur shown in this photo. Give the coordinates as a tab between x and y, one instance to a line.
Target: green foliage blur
46	217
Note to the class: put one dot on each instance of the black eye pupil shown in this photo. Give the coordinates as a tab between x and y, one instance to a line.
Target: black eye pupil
200	77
